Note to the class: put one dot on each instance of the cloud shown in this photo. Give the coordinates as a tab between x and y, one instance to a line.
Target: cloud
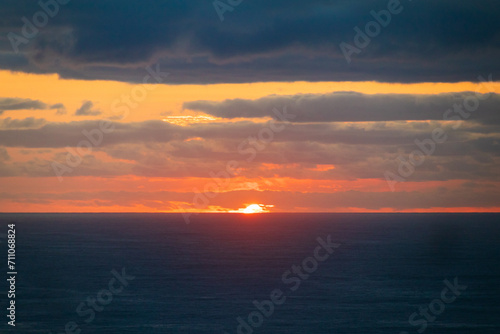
356	107
259	41
86	110
55	135
61	109
358	150
70	134
20	104
7	104
29	122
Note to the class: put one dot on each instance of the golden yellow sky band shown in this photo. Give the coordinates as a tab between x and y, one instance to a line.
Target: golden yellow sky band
166	98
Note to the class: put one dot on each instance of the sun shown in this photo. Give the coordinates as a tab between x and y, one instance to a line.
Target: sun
253	208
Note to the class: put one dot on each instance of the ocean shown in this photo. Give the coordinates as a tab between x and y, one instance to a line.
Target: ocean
261	273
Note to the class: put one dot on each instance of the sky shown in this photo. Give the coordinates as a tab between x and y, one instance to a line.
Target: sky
249	106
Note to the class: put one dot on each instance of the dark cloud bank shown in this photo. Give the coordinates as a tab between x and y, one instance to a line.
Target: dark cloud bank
440	41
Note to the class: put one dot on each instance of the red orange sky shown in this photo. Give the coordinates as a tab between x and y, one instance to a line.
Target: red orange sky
130	172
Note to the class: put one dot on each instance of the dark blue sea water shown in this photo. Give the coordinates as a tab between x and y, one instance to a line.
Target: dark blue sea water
199	278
